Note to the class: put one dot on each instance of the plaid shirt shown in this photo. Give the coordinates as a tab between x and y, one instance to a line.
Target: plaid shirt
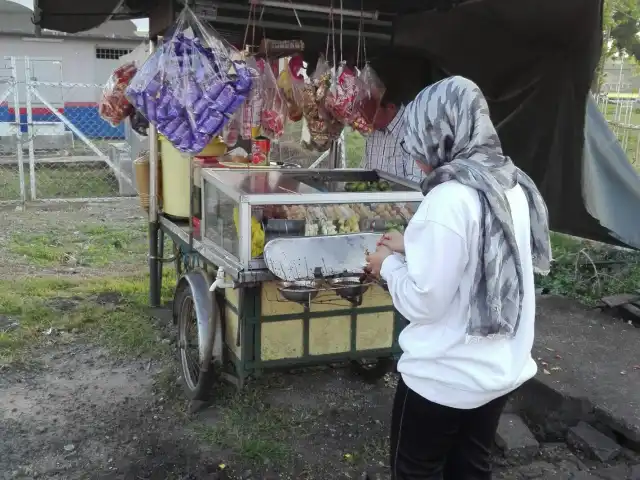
382	151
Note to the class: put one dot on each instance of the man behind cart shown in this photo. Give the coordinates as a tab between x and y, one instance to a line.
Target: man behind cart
383	148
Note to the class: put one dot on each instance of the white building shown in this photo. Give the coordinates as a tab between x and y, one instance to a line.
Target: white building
88	57
72	65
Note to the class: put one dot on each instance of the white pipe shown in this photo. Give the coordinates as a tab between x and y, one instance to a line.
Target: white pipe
305	7
16	108
219	281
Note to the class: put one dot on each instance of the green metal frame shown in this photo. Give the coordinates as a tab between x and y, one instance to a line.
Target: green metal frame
250	331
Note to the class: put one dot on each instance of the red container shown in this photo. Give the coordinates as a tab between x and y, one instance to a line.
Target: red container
260	148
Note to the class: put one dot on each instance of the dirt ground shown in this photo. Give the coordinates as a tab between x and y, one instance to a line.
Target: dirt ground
89	387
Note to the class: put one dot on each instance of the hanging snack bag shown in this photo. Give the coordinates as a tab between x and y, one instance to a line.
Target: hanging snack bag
323	128
368	101
289	79
341	97
274	111
231	131
251	111
190	86
114	106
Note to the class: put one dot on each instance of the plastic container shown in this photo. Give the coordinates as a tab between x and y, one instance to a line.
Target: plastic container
175	176
141	165
175	181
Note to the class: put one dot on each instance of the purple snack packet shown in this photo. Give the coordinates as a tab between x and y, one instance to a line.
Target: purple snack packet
212	123
162	114
199	120
193	93
226	98
213	90
153	87
151	108
200	106
165	99
244	78
138	102
182	129
237	102
171	127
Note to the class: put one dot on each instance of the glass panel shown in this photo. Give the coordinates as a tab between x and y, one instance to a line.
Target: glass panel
221	216
332	219
292	181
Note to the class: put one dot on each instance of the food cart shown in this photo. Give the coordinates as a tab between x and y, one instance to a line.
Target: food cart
240	310
303	302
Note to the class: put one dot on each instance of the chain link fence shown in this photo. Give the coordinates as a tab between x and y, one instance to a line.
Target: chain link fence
54	146
623	116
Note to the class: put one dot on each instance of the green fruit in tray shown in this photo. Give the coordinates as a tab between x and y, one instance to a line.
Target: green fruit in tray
381	186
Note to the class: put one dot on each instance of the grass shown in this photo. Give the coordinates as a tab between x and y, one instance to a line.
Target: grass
58	181
91	246
588	271
251	431
112	311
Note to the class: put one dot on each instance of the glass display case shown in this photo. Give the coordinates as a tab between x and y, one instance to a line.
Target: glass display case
243	208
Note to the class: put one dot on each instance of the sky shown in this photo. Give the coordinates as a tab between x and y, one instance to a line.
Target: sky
143	25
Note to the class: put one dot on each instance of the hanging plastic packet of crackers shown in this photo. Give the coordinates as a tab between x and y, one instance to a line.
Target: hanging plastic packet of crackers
323	128
114	106
274	110
341	97
371	90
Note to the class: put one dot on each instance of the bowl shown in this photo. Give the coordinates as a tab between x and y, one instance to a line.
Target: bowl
348	287
302	291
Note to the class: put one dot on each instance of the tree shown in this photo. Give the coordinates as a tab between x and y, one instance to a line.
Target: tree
621	24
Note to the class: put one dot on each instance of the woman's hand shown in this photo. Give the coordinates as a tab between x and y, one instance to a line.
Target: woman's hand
374	260
393	240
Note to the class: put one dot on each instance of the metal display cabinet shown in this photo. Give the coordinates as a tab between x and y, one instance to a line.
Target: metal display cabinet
252	322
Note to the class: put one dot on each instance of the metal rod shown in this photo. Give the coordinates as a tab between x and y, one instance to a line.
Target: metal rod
154	281
16	107
267	25
305	7
30	132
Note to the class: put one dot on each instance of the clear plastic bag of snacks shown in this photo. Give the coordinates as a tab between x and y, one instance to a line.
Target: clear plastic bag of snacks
343	93
368	101
191	85
114	106
274	109
251	111
289	82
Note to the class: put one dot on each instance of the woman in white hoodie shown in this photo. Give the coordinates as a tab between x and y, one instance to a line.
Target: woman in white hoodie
462	275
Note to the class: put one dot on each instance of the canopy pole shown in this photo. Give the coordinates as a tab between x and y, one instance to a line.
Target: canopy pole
154	262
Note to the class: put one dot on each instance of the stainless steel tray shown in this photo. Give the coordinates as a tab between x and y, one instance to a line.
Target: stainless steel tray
305	258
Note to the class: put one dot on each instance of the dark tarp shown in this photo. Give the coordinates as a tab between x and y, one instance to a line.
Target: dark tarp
535	60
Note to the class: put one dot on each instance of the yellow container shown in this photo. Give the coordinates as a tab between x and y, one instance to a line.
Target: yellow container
175	175
175	180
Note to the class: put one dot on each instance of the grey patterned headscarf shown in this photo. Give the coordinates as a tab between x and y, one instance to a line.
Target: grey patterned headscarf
448	128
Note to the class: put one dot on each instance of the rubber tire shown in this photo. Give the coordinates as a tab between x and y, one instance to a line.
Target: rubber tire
202	390
375	372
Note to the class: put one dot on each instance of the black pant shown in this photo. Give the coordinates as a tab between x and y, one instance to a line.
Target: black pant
433	442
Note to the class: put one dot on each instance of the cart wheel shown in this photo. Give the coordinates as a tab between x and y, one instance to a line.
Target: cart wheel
196	381
372	370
